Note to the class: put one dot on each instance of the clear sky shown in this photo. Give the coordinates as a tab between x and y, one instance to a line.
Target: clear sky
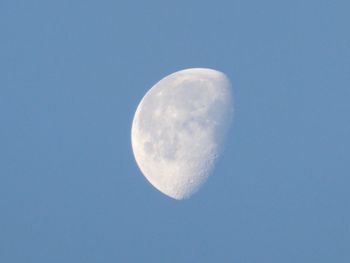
71	76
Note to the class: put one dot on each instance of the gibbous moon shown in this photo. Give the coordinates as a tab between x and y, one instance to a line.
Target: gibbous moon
179	129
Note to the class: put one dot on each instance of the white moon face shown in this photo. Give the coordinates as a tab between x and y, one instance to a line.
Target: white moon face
179	128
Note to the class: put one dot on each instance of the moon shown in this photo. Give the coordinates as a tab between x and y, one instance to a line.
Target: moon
179	129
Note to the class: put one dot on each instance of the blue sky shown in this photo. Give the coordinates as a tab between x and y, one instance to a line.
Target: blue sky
71	76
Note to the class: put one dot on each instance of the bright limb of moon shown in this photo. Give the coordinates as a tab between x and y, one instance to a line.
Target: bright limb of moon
179	129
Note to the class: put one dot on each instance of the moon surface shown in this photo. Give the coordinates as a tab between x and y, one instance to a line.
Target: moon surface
179	129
